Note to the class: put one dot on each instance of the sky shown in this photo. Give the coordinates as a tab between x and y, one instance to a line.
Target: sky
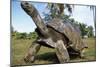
21	22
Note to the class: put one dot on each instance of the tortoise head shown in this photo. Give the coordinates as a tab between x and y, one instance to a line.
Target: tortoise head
28	8
32	11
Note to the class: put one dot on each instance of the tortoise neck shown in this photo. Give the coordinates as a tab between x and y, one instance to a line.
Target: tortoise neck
40	25
33	13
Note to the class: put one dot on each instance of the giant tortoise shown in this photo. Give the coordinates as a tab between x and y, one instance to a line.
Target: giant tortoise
57	34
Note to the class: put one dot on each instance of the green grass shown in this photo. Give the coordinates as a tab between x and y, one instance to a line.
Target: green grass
46	55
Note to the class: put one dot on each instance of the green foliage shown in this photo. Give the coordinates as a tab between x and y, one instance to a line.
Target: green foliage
83	29
14	33
18	35
32	35
57	10
90	31
21	35
86	30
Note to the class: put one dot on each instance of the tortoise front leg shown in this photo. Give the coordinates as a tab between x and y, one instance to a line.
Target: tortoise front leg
62	52
82	53
30	55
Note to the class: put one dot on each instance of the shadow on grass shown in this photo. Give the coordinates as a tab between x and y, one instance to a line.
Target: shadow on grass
50	56
74	56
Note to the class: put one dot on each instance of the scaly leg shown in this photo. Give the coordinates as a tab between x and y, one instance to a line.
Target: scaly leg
62	52
30	55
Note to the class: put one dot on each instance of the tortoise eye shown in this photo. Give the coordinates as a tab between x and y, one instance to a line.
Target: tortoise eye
26	3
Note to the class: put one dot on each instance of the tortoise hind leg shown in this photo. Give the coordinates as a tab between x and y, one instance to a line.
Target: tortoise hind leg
30	55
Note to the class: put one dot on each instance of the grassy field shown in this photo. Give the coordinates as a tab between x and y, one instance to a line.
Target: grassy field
46	55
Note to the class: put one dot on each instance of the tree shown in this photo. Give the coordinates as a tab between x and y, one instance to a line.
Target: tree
14	33
86	30
21	35
83	29
90	31
32	35
57	10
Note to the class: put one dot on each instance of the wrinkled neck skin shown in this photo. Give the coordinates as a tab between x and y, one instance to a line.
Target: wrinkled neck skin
33	13
40	24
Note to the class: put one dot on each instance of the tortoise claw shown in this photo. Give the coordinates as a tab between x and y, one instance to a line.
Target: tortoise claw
29	58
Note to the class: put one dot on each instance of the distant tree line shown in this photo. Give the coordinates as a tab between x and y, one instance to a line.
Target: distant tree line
24	35
85	31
